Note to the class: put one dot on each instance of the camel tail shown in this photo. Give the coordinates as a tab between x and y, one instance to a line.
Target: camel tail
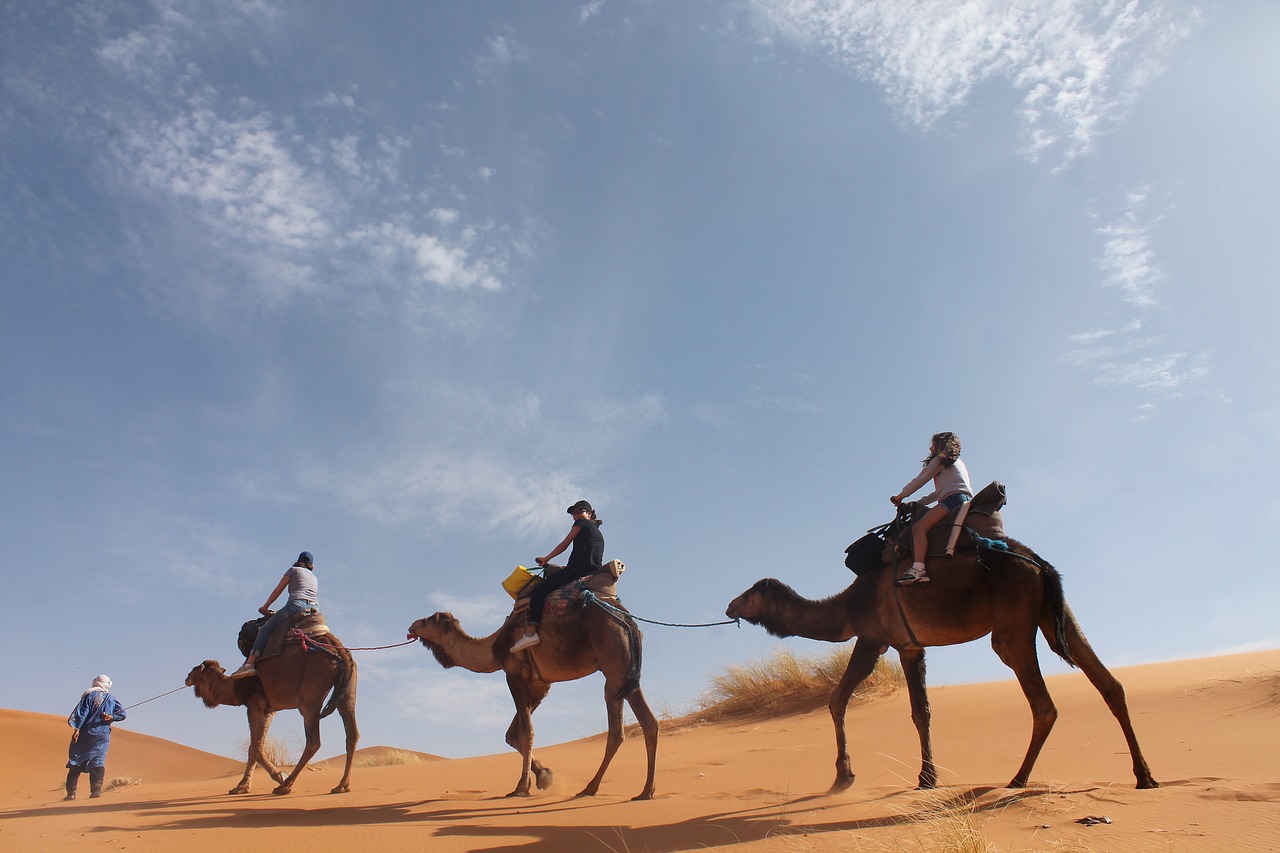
1055	607
346	673
632	684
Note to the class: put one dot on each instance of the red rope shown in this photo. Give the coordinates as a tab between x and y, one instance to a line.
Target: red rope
308	641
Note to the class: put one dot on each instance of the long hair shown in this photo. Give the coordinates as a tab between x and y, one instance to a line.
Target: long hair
947	447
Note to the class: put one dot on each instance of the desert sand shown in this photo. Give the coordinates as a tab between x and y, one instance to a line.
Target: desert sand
1210	729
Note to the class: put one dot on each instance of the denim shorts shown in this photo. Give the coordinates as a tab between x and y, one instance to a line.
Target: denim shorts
954	501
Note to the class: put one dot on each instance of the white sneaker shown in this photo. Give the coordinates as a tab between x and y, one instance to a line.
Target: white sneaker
525	642
912	576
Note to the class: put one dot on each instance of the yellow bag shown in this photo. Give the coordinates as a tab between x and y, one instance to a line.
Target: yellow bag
518	580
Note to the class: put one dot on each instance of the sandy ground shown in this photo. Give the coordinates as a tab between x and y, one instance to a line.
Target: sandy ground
1210	729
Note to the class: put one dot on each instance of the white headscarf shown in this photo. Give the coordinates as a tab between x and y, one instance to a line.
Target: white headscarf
101	683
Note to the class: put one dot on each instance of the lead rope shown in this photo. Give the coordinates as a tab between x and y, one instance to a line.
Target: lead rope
589	597
154	698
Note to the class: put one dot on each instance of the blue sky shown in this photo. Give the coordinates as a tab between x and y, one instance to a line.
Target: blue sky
397	283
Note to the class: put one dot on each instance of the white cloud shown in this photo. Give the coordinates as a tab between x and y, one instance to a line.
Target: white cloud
1077	63
474	701
237	172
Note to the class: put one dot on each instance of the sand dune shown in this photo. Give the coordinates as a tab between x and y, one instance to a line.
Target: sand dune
1210	729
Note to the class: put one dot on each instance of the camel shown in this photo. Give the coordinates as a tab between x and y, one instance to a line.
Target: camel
1006	594
293	679
589	640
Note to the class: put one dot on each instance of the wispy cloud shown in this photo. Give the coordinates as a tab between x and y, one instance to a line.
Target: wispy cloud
1076	63
1133	354
289	206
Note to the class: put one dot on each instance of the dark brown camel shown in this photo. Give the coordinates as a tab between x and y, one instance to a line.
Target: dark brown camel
971	595
587	640
293	679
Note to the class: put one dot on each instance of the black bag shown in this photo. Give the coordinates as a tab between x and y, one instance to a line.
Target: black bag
865	554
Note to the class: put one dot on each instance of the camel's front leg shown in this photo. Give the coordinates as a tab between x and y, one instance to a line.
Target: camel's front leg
913	669
259	725
311	726
520	734
861	662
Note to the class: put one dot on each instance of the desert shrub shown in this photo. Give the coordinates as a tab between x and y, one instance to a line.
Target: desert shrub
786	684
274	749
387	758
121	782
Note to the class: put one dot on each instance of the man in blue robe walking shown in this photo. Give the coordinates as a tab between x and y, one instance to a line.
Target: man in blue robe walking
91	721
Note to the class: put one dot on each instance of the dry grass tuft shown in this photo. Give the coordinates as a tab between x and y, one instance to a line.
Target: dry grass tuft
388	758
121	782
274	749
786	684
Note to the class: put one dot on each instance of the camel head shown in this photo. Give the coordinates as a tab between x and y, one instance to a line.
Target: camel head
753	604
201	678
432	631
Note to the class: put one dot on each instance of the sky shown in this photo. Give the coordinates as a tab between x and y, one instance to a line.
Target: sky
397	282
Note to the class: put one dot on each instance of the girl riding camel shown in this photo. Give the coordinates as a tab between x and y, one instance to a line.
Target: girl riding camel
950	489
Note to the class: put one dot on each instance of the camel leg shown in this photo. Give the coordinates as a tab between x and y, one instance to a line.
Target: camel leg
1020	656
353	737
612	741
520	733
649	725
861	662
310	725
914	670
259	725
1108	686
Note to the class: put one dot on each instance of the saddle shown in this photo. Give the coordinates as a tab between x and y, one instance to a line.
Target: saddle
890	542
603	583
310	622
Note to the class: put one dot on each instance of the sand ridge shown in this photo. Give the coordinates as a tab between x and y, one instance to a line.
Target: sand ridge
1208	727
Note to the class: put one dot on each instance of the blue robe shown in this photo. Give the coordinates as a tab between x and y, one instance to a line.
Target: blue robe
90	749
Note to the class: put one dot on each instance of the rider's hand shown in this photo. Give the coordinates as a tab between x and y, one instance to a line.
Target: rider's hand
264	611
541	561
896	500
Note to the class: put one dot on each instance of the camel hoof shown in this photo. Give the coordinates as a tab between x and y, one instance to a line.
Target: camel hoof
341	789
519	792
643	795
281	791
587	792
239	789
1148	784
842	783
544	778
1017	783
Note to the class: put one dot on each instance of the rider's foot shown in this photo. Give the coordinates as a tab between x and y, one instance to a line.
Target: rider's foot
525	642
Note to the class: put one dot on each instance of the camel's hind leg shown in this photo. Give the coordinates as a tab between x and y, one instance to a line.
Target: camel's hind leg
861	662
353	737
649	725
1106	684
1019	654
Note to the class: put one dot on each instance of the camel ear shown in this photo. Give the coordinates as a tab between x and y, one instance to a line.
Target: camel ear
212	664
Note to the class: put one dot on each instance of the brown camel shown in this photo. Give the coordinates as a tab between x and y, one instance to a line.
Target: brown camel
1008	595
293	679
588	640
